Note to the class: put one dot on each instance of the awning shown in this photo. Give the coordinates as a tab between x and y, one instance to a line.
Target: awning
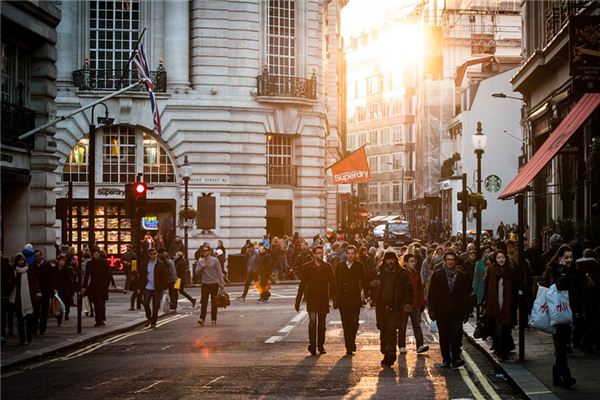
391	217
377	218
558	138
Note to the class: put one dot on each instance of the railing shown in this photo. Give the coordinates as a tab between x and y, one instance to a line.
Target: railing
87	79
558	16
17	120
284	175
286	86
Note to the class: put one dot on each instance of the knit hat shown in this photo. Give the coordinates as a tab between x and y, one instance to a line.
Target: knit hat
556	240
390	254
372	251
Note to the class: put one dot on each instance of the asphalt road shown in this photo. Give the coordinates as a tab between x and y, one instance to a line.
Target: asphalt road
255	351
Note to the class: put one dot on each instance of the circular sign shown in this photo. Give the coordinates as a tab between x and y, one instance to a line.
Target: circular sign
362	214
493	183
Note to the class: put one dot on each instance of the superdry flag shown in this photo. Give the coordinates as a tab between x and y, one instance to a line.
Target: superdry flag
141	63
352	169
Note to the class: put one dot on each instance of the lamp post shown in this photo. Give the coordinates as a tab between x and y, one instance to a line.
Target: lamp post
501	95
91	196
479	141
186	173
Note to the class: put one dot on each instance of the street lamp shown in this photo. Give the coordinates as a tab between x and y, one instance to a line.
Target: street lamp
501	95
479	141
91	196
186	173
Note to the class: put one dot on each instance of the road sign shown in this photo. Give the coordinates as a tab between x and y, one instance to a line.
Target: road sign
362	214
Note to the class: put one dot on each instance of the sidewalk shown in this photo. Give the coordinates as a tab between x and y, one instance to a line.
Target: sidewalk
534	375
55	339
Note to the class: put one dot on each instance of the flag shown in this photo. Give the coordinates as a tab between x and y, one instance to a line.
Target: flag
352	169
141	64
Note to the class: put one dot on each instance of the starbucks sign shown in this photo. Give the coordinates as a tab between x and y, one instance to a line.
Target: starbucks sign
493	183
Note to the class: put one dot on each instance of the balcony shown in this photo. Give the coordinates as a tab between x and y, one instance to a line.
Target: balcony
558	16
17	120
87	79
281	175
286	89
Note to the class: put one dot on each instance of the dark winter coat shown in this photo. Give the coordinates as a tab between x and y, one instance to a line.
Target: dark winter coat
565	279
317	286
44	274
7	278
64	284
349	282
97	278
400	287
161	275
446	305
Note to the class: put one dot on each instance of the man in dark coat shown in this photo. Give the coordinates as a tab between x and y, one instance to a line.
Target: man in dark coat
349	279
95	284
154	280
44	273
448	301
318	287
393	295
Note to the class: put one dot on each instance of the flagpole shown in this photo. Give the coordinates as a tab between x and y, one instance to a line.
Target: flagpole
130	58
63	117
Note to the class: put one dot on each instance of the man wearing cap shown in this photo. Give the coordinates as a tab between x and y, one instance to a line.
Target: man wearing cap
449	304
392	292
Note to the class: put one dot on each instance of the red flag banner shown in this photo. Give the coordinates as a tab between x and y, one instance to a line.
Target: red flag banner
352	169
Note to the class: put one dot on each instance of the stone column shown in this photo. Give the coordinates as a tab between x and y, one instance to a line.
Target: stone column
177	44
44	158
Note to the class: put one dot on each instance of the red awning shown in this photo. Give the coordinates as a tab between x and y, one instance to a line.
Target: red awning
578	114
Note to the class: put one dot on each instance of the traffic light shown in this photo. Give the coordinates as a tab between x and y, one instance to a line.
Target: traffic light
463	201
135	199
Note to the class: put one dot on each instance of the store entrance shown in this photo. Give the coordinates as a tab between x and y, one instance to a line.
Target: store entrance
279	217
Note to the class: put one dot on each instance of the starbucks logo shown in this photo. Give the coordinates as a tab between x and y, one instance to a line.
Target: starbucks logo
493	183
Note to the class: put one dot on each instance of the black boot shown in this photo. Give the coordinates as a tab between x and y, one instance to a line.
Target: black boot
567	379
556	379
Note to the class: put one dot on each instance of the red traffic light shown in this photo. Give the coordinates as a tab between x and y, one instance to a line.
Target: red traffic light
139	188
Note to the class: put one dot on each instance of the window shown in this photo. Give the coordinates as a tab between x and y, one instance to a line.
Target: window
373	111
386	137
385	193
398	134
385	109
373	137
373	193
157	165
372	85
118	154
15	74
114	29
76	166
374	163
280	170
362	139
398	161
386	162
281	37
396	192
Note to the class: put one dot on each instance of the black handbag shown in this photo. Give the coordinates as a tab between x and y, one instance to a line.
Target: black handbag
222	299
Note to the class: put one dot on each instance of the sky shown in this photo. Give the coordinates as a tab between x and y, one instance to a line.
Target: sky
360	15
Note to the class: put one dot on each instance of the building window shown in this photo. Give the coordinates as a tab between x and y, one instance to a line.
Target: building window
374	163
385	193
373	193
373	137
157	165
280	169
16	74
114	29
386	162
398	161
398	133
372	85
118	154
76	167
281	37
396	192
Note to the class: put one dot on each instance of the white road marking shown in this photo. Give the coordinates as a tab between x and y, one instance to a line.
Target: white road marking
100	384
470	384
207	386
149	386
482	379
286	329
337	322
299	317
294	322
274	339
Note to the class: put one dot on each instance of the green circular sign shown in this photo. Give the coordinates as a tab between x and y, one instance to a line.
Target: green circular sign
493	183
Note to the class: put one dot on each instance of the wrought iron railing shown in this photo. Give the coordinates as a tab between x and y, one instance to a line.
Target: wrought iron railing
558	16
284	175
108	79
17	120
286	86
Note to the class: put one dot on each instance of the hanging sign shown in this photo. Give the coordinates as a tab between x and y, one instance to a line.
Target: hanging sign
493	183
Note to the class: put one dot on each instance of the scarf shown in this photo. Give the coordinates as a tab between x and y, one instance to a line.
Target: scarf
499	295
23	289
451	277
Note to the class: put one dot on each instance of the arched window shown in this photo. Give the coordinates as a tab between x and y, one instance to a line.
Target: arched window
122	158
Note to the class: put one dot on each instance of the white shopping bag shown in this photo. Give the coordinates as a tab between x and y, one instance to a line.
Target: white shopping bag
540	317
558	306
165	304
60	303
433	328
85	303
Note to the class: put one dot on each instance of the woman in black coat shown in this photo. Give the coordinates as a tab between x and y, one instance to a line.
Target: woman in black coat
64	285
95	284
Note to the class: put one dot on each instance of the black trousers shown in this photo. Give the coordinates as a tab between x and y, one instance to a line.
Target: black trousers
250	277
562	339
389	322
415	320
316	329
155	296
209	289
25	327
40	315
350	318
136	298
174	294
99	309
450	332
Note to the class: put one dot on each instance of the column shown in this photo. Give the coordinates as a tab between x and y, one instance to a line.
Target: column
177	44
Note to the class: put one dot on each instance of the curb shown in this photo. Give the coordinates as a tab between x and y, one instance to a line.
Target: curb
75	342
527	383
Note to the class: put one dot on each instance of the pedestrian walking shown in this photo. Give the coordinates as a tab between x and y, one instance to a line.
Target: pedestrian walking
562	272
182	267
318	287
127	260
417	306
44	275
449	306
25	296
265	261
163	256
350	278
211	279
95	284
154	280
250	256
478	284
65	285
393	295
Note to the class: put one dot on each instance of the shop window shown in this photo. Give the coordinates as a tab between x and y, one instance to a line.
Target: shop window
76	167
157	165
118	154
